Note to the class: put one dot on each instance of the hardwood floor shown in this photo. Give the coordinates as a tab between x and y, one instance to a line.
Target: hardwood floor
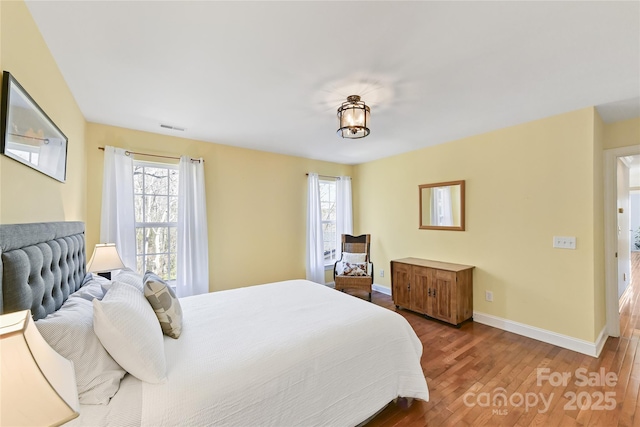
479	375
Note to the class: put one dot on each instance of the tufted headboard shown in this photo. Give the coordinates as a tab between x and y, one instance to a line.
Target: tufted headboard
40	265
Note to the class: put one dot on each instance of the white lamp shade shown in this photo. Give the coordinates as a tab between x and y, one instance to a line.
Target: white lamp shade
37	385
105	258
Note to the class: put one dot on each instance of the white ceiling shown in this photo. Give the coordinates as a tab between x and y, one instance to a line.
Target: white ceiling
270	75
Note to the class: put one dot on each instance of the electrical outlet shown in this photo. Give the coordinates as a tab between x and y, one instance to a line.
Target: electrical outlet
381	273
564	242
488	295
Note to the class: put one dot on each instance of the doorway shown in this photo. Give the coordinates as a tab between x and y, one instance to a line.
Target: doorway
620	188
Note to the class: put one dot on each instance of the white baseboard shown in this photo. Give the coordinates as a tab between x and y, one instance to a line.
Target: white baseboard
601	341
581	346
381	289
585	347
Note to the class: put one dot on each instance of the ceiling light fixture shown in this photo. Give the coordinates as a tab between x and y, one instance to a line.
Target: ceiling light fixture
353	118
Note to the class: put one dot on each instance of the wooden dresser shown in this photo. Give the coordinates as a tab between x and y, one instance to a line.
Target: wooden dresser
440	290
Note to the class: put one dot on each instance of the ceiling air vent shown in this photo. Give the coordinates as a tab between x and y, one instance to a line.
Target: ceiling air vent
172	127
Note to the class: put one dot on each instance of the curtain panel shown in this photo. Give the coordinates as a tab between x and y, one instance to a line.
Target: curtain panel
193	242
117	221
315	241
344	211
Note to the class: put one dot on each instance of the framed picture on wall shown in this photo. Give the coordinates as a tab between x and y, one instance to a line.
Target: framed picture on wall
28	135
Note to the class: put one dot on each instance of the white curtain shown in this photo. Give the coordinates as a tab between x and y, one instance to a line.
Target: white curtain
441	208
315	241
447	208
117	221
344	211
193	249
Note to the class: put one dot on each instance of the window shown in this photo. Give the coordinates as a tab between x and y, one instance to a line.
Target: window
155	188
328	206
442	214
27	152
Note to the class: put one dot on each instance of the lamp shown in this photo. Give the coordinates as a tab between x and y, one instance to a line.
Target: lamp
37	385
353	118
104	259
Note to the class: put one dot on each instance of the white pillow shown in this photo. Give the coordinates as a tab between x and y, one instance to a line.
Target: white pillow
129	277
128	328
353	258
69	331
92	287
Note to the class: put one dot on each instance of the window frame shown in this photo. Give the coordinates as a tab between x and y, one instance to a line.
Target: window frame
168	224
329	263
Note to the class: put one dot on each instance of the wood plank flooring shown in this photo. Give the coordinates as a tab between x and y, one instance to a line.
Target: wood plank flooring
482	376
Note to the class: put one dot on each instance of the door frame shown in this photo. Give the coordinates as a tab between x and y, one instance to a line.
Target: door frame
611	234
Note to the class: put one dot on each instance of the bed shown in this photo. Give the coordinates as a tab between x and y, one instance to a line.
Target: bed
291	353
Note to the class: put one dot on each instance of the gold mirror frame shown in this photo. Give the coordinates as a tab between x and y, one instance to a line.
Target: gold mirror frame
457	207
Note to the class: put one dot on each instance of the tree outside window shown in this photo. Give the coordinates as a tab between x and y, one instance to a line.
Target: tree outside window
156	210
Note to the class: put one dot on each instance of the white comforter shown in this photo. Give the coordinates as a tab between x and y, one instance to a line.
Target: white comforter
283	354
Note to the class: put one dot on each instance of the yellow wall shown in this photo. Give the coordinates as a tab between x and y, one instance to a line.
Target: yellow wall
256	203
622	134
524	184
27	195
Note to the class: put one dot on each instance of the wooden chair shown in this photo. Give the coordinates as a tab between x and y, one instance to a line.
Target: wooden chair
354	245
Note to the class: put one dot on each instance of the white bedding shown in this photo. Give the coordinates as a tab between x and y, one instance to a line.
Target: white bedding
283	354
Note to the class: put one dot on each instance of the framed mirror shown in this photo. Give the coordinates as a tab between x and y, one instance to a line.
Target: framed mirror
442	206
28	134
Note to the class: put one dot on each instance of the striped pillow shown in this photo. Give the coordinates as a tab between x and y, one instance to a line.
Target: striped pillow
69	331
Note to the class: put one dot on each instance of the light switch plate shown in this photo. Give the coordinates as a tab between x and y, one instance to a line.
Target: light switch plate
564	242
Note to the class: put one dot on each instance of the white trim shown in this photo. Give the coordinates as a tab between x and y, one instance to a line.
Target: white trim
154	164
610	235
585	347
330	181
601	340
381	289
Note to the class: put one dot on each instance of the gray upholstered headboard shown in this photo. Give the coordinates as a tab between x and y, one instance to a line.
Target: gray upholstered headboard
40	265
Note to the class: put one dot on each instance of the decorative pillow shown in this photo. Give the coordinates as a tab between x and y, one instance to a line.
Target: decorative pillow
164	303
69	331
129	330
130	277
354	269
356	258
